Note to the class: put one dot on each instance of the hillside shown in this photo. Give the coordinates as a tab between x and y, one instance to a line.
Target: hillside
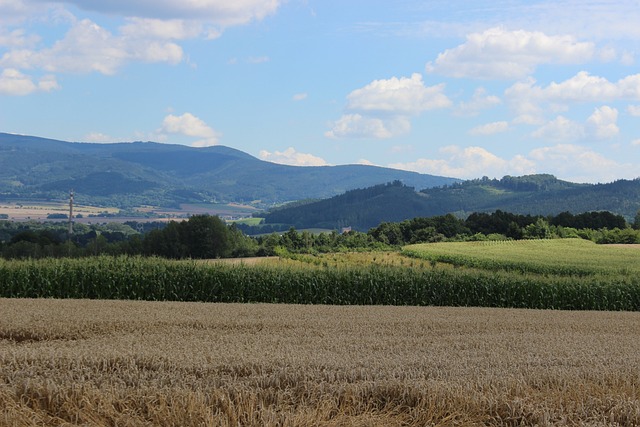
132	174
533	194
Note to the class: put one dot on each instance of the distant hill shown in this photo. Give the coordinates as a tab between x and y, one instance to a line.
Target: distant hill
533	194
132	174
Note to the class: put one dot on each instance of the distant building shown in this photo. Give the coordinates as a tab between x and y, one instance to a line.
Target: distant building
346	230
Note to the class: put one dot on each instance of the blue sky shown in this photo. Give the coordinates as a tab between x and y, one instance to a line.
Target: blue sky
455	88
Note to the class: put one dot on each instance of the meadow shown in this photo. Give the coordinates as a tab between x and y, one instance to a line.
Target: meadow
125	363
559	257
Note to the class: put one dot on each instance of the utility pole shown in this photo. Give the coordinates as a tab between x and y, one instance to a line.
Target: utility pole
70	213
70	230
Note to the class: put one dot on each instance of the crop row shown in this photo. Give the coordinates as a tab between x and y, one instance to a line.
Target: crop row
155	279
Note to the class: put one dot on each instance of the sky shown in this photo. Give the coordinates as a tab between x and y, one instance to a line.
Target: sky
463	89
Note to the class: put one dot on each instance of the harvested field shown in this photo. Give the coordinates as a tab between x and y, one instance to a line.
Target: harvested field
84	362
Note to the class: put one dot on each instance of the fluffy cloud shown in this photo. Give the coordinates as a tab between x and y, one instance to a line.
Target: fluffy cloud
16	11
358	126
560	129
398	96
636	142
571	161
170	29
382	109
219	12
299	97
148	34
490	128
501	54
17	38
291	157
190	125
469	162
603	122
634	110
567	161
15	83
87	47
479	101
98	137
529	101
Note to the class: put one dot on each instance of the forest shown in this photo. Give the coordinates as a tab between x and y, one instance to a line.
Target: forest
542	194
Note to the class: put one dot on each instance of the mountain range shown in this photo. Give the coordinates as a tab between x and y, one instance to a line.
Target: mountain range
541	194
126	175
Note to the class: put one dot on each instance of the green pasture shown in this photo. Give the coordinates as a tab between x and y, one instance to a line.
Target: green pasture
563	257
247	221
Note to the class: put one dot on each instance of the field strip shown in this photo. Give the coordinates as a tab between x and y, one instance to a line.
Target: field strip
161	363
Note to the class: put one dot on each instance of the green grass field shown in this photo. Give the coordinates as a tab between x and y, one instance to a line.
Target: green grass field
562	257
248	221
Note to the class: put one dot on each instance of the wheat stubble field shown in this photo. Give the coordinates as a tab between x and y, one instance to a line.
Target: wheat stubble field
121	363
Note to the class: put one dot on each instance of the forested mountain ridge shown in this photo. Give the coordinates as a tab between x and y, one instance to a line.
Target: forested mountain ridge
132	174
394	202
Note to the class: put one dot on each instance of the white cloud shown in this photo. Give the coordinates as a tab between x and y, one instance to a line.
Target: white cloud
529	101
170	29
299	96
218	12
636	142
398	96
98	137
291	157
382	109
479	101
627	58
87	47
603	122
490	128
633	110
583	87
15	83
469	162
501	54
566	161
580	164
17	38
365	162
16	11
190	125
148	34
560	129
358	126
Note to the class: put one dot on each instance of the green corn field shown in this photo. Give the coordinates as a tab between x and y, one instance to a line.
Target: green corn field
155	279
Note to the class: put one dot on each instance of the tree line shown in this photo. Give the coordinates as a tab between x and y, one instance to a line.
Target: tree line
204	236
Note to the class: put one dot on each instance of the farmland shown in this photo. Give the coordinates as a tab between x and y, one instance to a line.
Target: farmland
354	339
588	279
85	362
565	257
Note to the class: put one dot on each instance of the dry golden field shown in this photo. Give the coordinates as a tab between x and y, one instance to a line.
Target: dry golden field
124	363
